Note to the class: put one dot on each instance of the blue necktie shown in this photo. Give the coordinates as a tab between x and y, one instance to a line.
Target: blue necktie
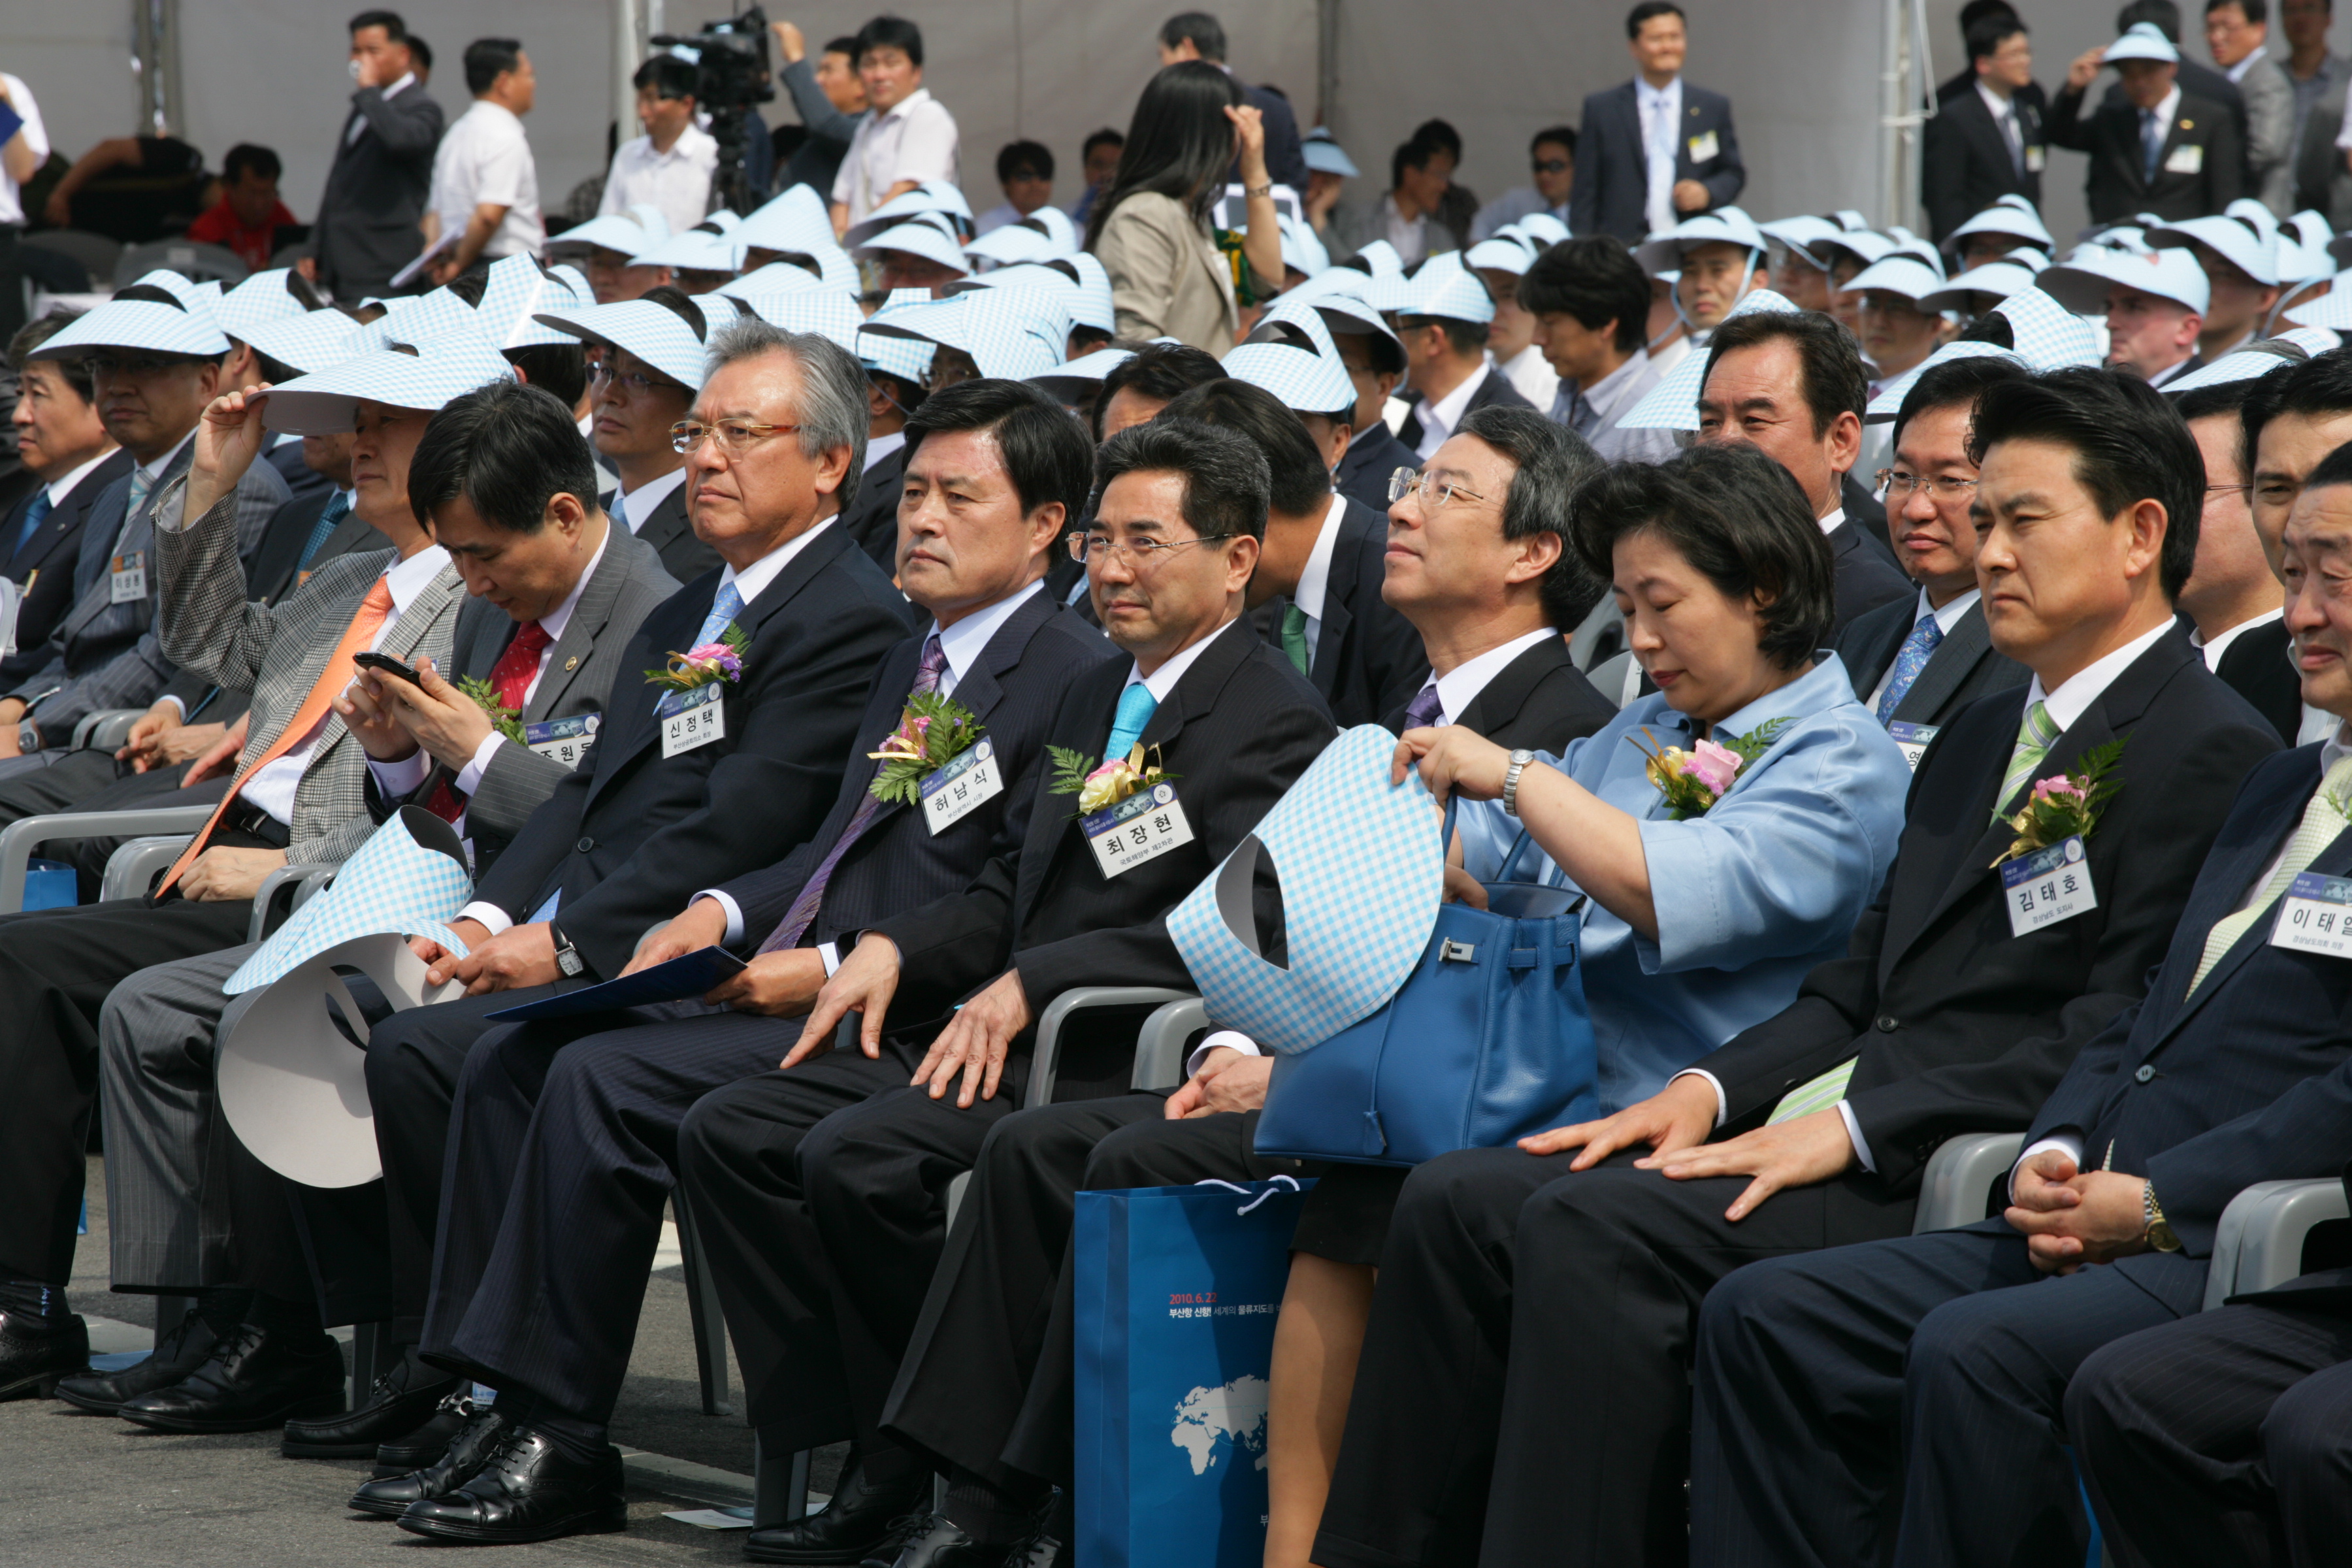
1909	661
35	515
2151	143
725	607
339	506
1136	706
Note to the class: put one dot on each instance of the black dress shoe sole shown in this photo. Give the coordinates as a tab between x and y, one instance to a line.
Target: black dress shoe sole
813	1556
369	1505
293	1450
39	1384
310	1409
603	1520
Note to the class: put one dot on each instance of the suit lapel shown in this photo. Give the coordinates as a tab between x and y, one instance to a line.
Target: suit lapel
570	654
1948	668
1499	701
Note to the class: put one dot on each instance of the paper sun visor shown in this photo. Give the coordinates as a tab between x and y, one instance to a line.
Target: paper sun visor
410	879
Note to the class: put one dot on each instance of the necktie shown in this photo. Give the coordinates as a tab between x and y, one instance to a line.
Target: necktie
2151	144
1909	661
517	667
725	607
339	507
1816	1094
1293	639
619	511
1660	145
803	914
36	514
141	481
2321	822
1136	706
2015	137
361	634
1424	709
2033	740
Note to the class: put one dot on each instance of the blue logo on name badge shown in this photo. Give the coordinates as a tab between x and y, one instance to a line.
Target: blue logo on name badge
581	727
956	767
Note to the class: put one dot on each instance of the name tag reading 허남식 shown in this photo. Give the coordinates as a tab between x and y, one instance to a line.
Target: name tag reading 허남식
2047	886
696	718
2316	916
1144	827
967	783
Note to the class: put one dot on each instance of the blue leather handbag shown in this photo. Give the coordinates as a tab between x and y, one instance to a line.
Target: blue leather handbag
1488	1040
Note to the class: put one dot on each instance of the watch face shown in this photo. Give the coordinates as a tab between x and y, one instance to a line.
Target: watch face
2160	1236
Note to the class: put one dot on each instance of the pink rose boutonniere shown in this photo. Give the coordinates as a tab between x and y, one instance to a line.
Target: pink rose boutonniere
1692	781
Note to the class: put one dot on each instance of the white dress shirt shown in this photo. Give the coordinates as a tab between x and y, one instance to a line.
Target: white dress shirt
36	138
2214	650
1315	577
678	181
1528	371
880	447
914	140
2005	120
1831	520
2163	113
1438	419
632	507
486	157
1409	235
63	485
1654	104
1947	617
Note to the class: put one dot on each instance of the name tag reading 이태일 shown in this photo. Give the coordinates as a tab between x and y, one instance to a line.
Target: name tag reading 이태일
126	581
1142	827
2316	916
563	741
1912	741
967	783
700	718
2047	886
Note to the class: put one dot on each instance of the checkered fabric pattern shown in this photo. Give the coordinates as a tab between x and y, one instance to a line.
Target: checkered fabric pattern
824	311
2246	364
776	278
259	300
794	221
1801	233
2252	252
1072	381
188	327
308	343
1013	333
907	358
439	314
1362	868
517	290
2011	274
1310	378
1889	400
1022	275
1303	250
930	196
2047	335
1673	403
2332	311
696	251
1732	226
2009	215
626	232
1093	307
922	239
2313	340
1905	274
391	884
834	270
1383	258
1510	255
440	370
654	333
1015	242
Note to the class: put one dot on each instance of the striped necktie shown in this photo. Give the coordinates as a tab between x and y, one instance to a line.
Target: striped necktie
141	481
2034	739
2320	824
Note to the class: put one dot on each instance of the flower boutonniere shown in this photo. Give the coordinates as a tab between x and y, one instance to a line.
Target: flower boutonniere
932	733
1692	781
707	664
506	720
2064	805
1105	785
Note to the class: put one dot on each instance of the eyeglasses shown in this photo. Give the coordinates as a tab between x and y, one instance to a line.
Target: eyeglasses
1551	165
939	374
735	436
1139	553
1896	486
637	383
1434	492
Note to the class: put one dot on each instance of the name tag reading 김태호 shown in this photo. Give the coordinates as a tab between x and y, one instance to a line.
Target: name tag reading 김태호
967	783
2316	916
691	719
1143	826
2047	886
562	741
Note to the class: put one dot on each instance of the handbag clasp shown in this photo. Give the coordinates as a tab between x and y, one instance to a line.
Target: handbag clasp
1452	952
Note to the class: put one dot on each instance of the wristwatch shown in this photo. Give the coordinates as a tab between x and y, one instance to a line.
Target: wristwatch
568	962
2158	1234
1519	760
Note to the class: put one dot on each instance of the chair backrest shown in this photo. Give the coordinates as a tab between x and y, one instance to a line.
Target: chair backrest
97	252
200	263
10	603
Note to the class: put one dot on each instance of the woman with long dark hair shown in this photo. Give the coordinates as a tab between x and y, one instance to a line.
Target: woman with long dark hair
1150	229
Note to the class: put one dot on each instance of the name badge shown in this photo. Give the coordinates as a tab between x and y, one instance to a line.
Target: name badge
563	741
691	719
2035	157
1704	147
2316	916
2188	159
2047	886
1912	741
967	783
1142	827
126	578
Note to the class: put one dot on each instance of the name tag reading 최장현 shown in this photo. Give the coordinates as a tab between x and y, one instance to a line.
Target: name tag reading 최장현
2047	886
2316	916
691	719
968	781
1144	827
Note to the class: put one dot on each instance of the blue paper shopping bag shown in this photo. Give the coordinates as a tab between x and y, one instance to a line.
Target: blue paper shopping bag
1177	1292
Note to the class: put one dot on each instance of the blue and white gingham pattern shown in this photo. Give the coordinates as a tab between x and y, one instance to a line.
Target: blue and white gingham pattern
922	239
696	251
439	314
931	197
1303	250
2332	309
2251	253
1326	156
391	884
2046	335
440	370
2080	282
518	289
1383	258
188	327
1022	275
1673	403
311	342
1337	301
828	313
1542	230
1513	255
2001	279
1093	307
1013	242
1799	233
908	359
2009	215
2314	341
260	299
626	232
1905	274
790	271
1306	318
2244	364
1889	400
1067	381
1305	382
1730	224
654	333
1012	333
1362	869
775	277
794	221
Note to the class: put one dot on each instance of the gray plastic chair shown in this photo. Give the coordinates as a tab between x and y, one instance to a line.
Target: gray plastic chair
21	837
198	263
106	729
2259	1241
1959	1173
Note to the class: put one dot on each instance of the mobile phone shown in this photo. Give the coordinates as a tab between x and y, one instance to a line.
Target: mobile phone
384	664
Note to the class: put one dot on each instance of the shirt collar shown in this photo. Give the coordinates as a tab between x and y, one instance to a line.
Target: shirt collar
403	85
2237	73
555	620
963	642
1610	384
63	485
880	447
2168	108
1950	614
155	471
1644	93
1999	106
754	579
1459	687
2214	650
410	577
900	110
639	504
489	110
1829	522
1315	577
1162	682
1448	412
2334	751
2078	691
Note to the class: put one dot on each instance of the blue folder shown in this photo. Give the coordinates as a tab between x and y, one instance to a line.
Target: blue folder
690	974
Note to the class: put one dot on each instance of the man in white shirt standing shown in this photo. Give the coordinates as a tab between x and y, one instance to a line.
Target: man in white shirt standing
24	144
671	164
485	200
908	136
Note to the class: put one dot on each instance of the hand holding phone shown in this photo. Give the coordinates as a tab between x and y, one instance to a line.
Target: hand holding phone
384	664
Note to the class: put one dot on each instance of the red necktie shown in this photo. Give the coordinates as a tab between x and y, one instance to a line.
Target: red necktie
511	677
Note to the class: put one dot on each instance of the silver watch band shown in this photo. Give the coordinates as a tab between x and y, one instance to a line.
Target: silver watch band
1520	760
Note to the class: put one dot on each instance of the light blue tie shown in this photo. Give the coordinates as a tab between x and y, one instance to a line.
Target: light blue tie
724	607
1909	661
141	481
2151	143
1136	706
339	507
619	511
35	515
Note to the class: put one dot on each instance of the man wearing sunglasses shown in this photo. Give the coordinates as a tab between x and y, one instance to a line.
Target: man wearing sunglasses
1551	160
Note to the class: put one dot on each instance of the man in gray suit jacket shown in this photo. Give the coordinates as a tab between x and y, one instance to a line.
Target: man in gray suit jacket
384	165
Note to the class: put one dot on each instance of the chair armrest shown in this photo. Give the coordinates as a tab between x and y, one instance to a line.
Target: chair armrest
1959	1172
296	882
21	837
106	729
1045	1058
1159	1048
2259	1241
137	862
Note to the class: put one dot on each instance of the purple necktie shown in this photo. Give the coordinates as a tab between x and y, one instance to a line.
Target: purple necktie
798	918
1424	709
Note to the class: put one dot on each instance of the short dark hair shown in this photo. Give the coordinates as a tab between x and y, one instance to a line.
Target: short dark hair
421	49
1954	381
1976	11
1046	453
1739	519
247	155
1227	479
1648	9
1205	33
1827	358
1298	481
2163	13
24	349
1594	279
560	369
1106	136
2257	11
2321	384
394	29
891	33
1162	371
1558	135
2336	468
840	45
1986	36
2220	397
1464	337
669	75
1550	462
507	449
1015	156
2129	442
487	59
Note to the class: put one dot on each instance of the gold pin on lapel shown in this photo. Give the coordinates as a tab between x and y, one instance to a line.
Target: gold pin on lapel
2189	125
571	664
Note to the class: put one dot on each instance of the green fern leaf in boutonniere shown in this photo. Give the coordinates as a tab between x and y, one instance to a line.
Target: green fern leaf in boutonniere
1099	784
1692	782
506	720
932	733
2065	805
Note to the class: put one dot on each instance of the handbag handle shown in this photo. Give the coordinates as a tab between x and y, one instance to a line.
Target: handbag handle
1233	1186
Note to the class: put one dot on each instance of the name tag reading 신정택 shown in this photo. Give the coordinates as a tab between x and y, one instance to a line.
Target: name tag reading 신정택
1912	741
2316	916
1703	148
1143	826
563	741
967	783
126	578
2047	886
691	719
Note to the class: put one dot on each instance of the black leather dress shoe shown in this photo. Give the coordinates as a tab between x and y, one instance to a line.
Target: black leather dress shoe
527	1490
181	1352
401	1401
1040	1549
388	1496
254	1379
934	1540
32	1361
415	1449
854	1524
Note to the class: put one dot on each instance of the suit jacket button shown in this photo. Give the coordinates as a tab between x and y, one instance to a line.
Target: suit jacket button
584	845
2145	1075
1888	1022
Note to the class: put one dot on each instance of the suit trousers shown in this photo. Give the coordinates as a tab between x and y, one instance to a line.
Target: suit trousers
1909	1388
56	967
990	1379
2225	1437
1482	1433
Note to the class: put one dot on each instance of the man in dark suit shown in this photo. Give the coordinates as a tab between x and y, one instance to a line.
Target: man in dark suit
2236	1068
1919	663
872	516
2196	77
1232	724
1376	365
1655	149
1198	35
1443	328
376	191
1791	383
1942	1019
2160	148
1986	141
644	384
2232	596
64	444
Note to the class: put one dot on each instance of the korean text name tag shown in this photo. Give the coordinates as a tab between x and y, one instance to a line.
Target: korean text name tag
967	783
691	719
1704	147
563	741
2047	886
126	578
1143	826
1912	739
2036	156
2316	916
2185	160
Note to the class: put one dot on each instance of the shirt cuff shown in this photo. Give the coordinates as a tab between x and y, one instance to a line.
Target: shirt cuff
1854	1135
1231	1039
469	777
491	918
831	952
173	700
399	780
1722	1105
734	914
2070	1143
